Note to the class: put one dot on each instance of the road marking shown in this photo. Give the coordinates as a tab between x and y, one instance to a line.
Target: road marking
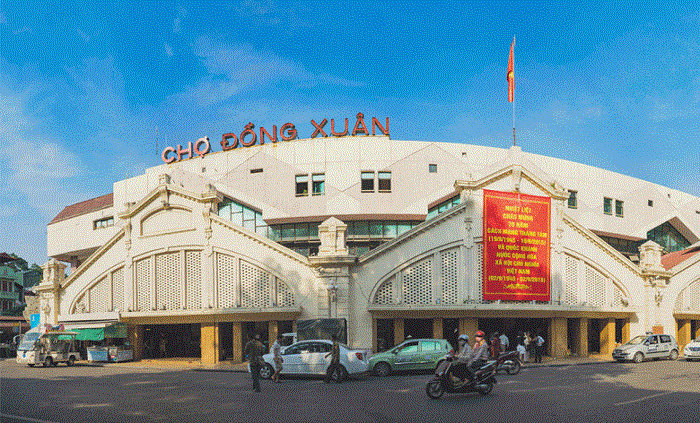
105	404
643	398
26	419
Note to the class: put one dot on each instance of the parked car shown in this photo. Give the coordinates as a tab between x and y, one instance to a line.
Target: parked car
309	358
647	346
412	354
692	350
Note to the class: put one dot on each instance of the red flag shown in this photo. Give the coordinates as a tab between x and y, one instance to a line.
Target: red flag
510	75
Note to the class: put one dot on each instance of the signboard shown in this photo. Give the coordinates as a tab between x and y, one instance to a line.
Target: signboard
35	320
516	246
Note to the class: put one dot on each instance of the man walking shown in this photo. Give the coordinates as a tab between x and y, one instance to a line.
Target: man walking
277	357
335	362
254	350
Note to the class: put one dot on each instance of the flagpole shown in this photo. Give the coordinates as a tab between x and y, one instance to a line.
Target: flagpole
513	97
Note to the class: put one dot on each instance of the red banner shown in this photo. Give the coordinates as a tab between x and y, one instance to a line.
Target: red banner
516	246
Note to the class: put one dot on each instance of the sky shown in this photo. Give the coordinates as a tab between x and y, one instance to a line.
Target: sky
91	92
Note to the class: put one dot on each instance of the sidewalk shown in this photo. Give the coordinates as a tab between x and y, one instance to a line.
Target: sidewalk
193	363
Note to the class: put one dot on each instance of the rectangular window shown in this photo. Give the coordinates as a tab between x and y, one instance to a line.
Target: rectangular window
607	205
650	203
302	231
103	223
302	182
318	182
389	229
375	229
367	182
432	168
573	201
258	170
384	181
619	208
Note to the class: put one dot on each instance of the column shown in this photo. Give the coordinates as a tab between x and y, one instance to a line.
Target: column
237	339
210	343
582	337
683	334
437	328
135	333
626	330
696	335
398	331
558	337
374	335
607	336
468	326
272	329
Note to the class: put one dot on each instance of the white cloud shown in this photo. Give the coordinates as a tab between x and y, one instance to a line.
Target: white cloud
83	35
177	22
3	19
168	49
22	30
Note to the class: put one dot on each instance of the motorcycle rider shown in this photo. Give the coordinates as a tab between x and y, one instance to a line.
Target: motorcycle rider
479	355
462	356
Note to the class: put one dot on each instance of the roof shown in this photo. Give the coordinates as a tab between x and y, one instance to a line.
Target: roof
85	207
4	258
618	236
675	258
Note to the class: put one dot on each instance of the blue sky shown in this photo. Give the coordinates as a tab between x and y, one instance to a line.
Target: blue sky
84	85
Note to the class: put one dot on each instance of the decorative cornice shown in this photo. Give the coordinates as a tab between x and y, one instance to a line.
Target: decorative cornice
553	189
164	189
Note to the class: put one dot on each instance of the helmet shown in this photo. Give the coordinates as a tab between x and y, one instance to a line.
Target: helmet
464	337
479	333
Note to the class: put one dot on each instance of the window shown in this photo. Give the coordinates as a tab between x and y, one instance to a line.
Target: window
367	182
384	181
103	223
409	348
302	182
607	205
243	216
668	237
258	170
573	200
619	208
429	346
432	168
318	182
445	205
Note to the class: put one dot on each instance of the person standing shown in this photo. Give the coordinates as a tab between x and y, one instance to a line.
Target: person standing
496	347
538	341
505	342
254	351
335	361
277	357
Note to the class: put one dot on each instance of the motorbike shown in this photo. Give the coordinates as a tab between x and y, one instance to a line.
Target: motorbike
509	362
445	381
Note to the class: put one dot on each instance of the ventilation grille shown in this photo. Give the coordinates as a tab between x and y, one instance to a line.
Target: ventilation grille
689	298
571	281
479	282
417	283
99	297
285	296
450	276
595	287
226	280
385	293
193	276
255	287
168	271
118	289
143	284
618	295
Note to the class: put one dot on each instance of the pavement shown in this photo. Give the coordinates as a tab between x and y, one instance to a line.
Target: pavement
193	363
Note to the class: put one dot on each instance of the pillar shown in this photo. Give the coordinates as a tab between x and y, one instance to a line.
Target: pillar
437	328
558	337
237	339
398	331
374	335
607	336
683	334
696	335
468	326
272	330
582	337
210	343
135	334
625	331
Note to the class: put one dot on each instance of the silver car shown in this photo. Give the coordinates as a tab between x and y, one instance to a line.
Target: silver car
647	346
692	350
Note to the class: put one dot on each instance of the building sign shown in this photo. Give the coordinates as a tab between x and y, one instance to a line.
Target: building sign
516	246
287	132
35	320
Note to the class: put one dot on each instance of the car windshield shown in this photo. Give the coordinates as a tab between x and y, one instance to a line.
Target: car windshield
28	341
637	340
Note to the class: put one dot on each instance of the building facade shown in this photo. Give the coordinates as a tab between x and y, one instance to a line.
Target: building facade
384	235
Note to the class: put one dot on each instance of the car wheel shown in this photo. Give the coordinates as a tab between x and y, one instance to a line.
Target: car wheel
673	355
638	358
339	374
48	362
71	361
266	371
382	369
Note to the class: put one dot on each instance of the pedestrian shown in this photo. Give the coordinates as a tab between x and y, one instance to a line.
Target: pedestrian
277	357
495	348
335	361
505	342
538	341
162	347
522	352
527	341
254	351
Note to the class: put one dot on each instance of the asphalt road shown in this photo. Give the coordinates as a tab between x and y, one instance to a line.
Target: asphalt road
663	391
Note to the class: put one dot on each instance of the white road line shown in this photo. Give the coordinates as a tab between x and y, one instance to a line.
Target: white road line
642	398
26	419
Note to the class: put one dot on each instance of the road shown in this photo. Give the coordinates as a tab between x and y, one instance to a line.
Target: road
663	391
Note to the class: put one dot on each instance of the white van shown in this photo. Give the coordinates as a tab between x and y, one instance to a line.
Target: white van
47	348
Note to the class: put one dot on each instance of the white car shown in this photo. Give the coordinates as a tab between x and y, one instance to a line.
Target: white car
309	358
692	350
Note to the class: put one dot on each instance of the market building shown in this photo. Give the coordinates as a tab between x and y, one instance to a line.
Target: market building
388	237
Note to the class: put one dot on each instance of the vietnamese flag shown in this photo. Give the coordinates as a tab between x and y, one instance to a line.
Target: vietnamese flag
511	75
